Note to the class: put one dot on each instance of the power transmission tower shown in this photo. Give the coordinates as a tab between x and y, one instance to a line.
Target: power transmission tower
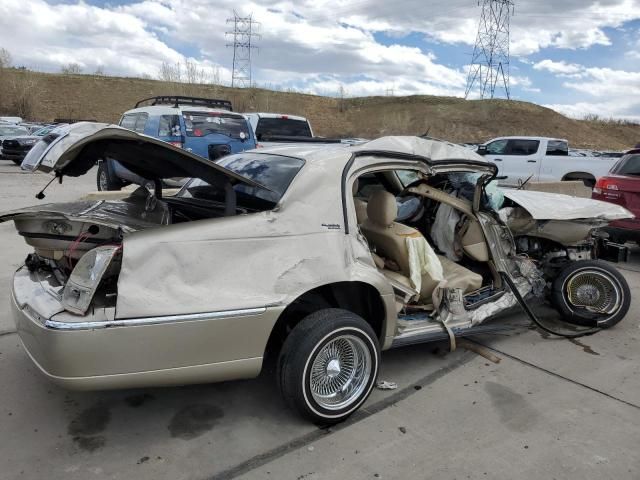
242	34
490	61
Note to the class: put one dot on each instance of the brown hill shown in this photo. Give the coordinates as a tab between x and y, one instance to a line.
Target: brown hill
47	96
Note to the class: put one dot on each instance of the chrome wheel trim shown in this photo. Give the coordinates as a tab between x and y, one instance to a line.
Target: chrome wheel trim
340	372
103	182
594	290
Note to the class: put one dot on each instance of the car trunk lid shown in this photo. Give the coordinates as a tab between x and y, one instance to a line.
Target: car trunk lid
74	150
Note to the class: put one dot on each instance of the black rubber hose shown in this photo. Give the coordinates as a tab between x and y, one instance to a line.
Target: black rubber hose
535	320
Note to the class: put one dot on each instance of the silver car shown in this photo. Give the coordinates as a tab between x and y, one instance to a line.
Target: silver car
315	258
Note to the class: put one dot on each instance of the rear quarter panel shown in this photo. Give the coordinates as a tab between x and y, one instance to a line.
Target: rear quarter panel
246	261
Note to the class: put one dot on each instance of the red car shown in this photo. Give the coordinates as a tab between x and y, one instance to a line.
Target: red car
622	186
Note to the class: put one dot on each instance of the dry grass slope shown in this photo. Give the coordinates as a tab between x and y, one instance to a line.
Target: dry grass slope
105	98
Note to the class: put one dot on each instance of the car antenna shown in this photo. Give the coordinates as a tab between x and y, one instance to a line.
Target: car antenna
40	195
426	134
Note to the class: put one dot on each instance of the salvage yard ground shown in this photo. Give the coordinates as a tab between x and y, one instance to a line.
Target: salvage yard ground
532	407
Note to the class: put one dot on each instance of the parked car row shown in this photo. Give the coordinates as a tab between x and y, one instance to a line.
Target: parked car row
209	128
16	139
206	127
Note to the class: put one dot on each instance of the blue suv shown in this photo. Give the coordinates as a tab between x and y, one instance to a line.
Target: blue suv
204	126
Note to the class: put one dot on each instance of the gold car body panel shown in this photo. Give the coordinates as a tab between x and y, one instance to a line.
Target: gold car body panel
97	352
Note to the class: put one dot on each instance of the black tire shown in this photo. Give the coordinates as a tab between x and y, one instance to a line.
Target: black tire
606	288
105	181
306	344
17	162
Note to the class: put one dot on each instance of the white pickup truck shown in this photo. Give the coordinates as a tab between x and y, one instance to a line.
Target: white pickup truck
542	159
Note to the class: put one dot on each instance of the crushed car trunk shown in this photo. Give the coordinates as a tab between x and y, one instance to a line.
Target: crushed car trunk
78	245
83	238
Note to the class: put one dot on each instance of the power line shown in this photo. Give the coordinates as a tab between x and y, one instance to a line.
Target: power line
490	60
242	34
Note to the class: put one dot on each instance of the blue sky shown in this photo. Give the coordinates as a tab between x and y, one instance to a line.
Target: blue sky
576	56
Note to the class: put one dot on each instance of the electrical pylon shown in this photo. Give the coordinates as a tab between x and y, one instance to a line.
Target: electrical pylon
490	62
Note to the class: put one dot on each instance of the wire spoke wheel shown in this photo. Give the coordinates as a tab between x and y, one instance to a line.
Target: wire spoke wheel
340	372
328	365
591	293
594	291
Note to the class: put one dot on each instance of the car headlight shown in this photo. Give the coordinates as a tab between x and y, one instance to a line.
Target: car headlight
85	278
31	141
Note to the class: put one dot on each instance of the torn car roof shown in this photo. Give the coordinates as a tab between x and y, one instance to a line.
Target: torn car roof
429	148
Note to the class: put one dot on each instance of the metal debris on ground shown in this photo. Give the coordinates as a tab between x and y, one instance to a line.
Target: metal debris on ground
384	385
480	350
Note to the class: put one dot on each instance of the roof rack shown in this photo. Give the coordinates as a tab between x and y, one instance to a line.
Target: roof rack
73	120
177	100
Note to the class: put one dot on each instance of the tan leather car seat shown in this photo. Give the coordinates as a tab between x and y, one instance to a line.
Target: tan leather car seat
389	239
359	204
361	210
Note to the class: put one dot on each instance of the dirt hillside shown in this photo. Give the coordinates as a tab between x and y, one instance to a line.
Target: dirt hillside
49	96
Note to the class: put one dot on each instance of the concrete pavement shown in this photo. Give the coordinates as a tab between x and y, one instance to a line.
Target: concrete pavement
549	409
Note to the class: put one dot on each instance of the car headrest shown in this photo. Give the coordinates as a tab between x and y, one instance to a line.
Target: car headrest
361	210
382	208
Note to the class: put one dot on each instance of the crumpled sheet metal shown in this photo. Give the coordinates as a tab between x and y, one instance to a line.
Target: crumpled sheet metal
508	300
436	150
136	212
555	206
246	261
195	275
527	279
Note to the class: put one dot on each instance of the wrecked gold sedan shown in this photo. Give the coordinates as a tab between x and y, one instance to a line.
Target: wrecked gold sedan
317	257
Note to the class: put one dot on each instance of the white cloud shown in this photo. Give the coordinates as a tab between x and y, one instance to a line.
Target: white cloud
295	48
607	109
534	25
615	93
315	45
48	36
560	68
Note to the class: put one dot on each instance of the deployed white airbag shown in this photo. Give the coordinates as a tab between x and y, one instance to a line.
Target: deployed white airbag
443	232
422	260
